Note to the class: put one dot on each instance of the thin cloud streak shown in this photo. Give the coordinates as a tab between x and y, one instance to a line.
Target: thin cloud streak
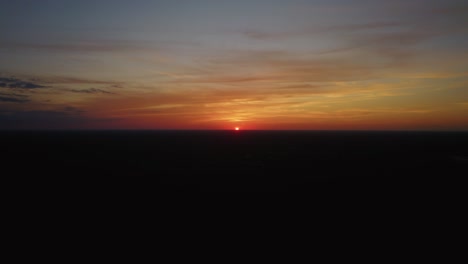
14	83
79	46
91	91
12	99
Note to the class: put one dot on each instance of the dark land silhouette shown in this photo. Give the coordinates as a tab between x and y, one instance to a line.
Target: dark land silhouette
83	162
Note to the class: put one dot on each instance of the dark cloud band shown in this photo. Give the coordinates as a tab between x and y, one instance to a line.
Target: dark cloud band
14	83
13	99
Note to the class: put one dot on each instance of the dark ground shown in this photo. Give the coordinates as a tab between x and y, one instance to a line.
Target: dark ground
167	161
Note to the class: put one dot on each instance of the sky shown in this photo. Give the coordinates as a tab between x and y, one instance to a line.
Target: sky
221	64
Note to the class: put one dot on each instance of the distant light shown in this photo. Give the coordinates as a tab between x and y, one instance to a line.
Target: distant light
237	128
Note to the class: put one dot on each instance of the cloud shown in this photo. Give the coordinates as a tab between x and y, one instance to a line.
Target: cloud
281	68
394	27
91	91
18	84
314	30
74	80
14	94
83	46
12	99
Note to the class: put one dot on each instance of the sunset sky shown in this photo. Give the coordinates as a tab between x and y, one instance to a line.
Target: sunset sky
221	64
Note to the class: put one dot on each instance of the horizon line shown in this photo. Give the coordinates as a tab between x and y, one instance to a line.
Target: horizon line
230	130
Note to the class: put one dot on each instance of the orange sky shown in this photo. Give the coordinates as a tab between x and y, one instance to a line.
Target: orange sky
328	65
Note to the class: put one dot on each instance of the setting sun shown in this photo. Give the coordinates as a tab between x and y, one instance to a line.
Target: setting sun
237	128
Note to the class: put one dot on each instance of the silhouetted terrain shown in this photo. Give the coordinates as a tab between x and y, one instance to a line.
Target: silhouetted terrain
159	161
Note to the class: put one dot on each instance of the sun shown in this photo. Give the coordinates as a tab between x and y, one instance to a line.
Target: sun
236	128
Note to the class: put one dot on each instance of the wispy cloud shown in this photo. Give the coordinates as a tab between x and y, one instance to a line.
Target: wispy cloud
281	67
12	99
14	83
400	26
91	91
315	30
80	46
64	80
12	94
